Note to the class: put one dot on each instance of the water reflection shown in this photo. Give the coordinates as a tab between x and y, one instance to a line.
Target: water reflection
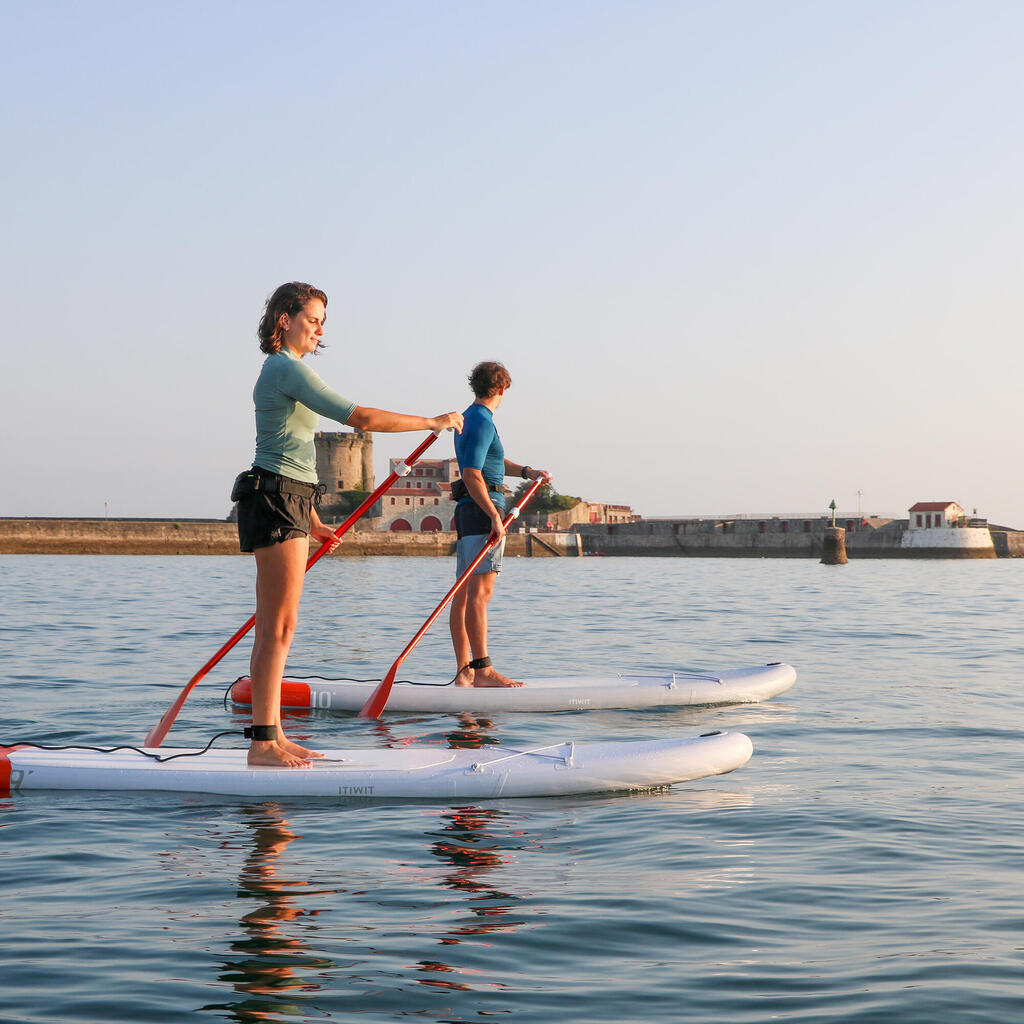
472	733
273	968
472	842
276	965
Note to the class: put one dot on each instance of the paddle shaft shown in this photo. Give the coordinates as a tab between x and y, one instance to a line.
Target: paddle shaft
374	707
163	727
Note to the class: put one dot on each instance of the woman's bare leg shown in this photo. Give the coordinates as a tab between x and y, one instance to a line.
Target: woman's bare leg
280	569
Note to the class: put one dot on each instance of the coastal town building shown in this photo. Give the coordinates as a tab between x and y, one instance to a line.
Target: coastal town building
929	514
943	527
421	502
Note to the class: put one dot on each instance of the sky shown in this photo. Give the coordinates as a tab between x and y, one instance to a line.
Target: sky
739	257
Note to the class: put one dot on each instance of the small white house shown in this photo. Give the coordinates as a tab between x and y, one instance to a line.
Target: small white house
941	529
929	515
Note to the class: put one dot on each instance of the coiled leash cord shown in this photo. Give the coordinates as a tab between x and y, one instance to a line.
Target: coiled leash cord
114	750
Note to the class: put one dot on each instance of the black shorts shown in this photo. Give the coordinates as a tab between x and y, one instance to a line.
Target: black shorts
471	520
269	518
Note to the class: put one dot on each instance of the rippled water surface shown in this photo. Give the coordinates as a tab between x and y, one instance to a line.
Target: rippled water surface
866	865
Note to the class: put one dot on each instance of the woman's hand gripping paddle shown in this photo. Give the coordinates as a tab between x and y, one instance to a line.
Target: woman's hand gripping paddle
161	729
375	705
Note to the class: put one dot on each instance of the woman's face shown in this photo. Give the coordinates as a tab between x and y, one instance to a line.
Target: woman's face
302	333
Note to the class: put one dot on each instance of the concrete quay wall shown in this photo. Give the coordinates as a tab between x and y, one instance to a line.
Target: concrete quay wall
771	538
218	537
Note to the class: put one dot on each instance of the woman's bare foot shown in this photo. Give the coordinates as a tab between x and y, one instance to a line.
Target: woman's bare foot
294	748
489	677
464	677
268	753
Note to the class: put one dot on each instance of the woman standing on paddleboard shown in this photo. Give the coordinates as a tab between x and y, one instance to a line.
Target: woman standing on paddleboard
277	497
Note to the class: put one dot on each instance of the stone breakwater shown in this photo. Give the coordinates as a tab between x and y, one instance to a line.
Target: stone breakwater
218	537
791	538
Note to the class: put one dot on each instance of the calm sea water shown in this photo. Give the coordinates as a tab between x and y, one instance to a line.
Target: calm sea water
866	865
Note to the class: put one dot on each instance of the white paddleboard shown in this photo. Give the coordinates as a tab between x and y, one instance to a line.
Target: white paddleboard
373	774
561	693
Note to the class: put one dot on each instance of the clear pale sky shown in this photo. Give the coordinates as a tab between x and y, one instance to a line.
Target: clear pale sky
739	257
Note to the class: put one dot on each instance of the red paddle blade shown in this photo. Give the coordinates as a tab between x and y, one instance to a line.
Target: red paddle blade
379	698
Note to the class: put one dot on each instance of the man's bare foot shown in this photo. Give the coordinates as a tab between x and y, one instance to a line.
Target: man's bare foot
489	677
295	749
464	677
268	753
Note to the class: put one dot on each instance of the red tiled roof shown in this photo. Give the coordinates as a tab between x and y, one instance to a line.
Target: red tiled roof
932	506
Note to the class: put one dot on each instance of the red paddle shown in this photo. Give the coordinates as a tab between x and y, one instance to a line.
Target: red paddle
160	730
379	698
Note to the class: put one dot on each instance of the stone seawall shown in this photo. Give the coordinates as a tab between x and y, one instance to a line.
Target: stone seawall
772	538
217	537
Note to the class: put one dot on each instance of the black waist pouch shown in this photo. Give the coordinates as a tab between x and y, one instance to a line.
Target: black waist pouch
245	484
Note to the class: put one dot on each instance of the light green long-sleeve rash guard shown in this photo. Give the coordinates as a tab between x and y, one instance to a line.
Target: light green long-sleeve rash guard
289	398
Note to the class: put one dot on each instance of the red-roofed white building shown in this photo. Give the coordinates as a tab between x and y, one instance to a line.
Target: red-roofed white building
927	515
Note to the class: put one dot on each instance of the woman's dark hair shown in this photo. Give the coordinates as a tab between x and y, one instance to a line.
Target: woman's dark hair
487	378
291	299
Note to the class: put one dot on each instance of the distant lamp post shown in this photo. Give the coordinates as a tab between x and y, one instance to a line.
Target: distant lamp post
832	506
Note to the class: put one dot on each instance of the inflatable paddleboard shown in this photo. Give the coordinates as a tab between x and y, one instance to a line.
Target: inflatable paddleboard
370	774
562	693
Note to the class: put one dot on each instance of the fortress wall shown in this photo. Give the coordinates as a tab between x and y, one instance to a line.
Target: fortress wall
1008	543
217	537
117	537
780	538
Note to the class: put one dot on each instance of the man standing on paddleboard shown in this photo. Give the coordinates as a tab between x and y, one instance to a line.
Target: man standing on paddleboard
479	517
277	497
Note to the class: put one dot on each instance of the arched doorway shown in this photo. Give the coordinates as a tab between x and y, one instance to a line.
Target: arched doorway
399	525
430	525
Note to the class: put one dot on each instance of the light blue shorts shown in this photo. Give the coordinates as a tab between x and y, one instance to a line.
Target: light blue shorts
467	548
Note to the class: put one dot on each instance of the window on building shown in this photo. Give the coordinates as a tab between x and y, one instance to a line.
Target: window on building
807	526
785	526
407	501
761	527
341	485
919	519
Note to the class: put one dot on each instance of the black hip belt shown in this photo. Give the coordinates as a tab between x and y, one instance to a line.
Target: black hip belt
255	479
460	490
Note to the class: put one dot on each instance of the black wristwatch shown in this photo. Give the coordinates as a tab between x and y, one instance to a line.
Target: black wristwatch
523	472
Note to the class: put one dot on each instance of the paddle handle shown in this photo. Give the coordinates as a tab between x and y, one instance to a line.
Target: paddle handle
163	727
379	698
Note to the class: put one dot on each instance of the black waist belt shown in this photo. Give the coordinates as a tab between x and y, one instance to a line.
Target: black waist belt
460	490
271	482
256	479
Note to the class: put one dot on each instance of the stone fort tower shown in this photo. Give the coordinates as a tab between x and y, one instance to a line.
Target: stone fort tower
344	461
